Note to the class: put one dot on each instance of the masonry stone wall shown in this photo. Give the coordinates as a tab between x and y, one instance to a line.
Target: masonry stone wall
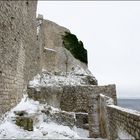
76	98
18	50
82	98
117	121
124	121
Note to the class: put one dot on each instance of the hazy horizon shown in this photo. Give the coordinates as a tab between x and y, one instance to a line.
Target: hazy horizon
110	32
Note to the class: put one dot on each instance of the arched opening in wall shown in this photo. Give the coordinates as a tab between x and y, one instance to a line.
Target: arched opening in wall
82	119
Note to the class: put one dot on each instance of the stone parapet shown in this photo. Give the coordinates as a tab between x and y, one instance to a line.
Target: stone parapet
115	120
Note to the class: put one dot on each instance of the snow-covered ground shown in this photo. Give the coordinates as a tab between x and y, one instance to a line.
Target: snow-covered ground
42	129
75	77
124	135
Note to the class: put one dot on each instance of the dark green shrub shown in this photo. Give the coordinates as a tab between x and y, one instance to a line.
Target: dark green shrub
76	47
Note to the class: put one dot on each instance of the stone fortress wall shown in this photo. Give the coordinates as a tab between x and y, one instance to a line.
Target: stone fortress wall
27	46
19	57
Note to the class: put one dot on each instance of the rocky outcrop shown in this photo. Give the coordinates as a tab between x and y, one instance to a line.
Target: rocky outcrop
58	59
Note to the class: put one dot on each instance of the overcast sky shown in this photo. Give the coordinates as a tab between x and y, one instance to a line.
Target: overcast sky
110	32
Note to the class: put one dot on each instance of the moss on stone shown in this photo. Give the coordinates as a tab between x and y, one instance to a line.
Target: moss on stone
76	47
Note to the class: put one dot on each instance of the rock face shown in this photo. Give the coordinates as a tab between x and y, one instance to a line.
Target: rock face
56	57
19	57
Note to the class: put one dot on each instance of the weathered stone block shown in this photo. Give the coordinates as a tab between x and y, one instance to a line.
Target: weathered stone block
49	95
60	117
25	122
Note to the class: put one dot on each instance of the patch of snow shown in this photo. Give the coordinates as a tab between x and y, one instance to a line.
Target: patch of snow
48	79
123	135
81	113
38	29
36	81
49	49
82	132
27	105
57	131
42	129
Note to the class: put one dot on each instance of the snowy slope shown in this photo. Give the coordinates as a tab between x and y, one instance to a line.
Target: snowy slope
42	129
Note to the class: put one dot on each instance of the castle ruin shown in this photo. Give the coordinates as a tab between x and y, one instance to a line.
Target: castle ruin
31	46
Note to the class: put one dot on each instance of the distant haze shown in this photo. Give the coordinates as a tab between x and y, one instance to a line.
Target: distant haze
110	32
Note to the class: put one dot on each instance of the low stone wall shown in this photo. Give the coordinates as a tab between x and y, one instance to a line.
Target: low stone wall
127	121
117	122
